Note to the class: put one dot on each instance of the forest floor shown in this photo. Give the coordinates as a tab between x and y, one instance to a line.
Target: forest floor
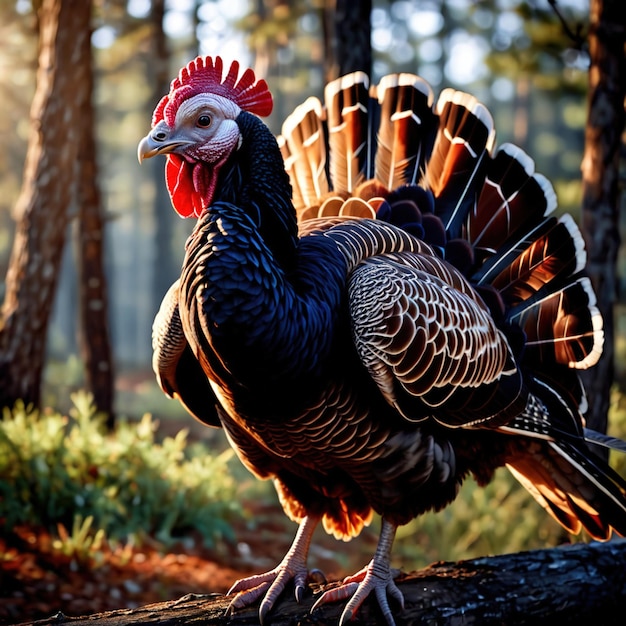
36	581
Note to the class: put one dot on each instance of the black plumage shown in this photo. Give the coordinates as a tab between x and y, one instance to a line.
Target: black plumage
374	307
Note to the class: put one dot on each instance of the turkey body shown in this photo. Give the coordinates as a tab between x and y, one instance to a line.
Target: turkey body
294	396
393	313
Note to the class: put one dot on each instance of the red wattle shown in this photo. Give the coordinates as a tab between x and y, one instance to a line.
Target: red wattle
186	198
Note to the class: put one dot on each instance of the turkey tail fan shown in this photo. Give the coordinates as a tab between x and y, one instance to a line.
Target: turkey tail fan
303	146
513	199
460	154
406	129
347	118
575	488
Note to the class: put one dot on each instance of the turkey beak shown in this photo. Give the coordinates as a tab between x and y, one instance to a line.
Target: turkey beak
160	140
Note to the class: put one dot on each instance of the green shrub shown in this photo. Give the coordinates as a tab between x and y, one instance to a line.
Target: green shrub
58	471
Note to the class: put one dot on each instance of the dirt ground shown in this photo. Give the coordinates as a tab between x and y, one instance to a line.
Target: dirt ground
37	582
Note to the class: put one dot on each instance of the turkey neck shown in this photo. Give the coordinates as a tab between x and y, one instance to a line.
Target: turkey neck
255	180
258	306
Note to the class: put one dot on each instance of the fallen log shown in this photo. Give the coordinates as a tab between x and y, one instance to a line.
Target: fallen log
577	584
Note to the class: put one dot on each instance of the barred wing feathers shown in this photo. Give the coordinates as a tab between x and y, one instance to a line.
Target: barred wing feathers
433	349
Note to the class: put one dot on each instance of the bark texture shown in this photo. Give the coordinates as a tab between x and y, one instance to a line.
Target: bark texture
601	190
95	342
347	36
43	206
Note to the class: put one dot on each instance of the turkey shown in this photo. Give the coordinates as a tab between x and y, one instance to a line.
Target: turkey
374	306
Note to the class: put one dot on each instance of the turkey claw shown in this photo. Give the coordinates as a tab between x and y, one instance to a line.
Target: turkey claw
271	585
245	597
317	577
358	587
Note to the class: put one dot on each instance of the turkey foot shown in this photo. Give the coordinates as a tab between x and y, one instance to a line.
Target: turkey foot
377	576
272	583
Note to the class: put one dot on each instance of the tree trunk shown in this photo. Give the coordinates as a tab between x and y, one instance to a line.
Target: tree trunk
579	584
600	170
42	208
92	285
348	37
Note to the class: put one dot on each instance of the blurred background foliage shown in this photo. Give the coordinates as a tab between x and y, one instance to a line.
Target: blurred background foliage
513	55
60	471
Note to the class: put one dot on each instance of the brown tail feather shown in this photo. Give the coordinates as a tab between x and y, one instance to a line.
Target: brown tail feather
304	151
562	326
348	130
464	140
406	123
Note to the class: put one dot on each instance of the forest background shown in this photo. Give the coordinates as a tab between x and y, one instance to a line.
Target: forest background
527	62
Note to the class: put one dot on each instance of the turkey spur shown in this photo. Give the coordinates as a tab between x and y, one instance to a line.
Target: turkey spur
374	306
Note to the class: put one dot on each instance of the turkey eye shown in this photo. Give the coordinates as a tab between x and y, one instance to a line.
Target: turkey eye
204	121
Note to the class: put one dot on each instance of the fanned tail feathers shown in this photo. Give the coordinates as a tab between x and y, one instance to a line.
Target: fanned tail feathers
347	105
304	152
513	196
563	326
575	488
454	171
556	466
486	211
600	439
